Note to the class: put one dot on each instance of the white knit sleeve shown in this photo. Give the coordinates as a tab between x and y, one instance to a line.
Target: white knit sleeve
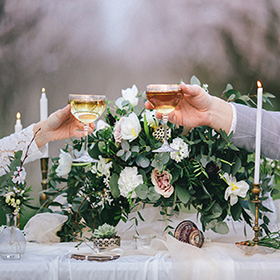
19	141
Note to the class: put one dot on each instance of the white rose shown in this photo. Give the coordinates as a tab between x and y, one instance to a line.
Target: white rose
129	180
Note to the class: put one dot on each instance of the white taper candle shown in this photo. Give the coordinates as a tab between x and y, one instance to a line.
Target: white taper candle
258	133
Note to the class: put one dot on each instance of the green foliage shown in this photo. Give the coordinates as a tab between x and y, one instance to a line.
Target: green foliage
97	197
104	231
14	193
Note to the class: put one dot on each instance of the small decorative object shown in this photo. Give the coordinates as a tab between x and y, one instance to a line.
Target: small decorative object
159	133
143	241
12	240
13	195
104	237
188	232
96	257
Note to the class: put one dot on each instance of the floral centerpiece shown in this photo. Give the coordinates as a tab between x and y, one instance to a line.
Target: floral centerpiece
208	173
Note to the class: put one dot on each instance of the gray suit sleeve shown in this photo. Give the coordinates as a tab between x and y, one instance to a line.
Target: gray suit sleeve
245	131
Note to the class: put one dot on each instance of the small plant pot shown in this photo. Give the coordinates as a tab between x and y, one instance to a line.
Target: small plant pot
107	243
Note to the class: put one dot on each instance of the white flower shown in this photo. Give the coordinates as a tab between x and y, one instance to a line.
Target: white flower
182	147
129	94
19	175
8	196
102	168
235	189
65	163
117	130
151	118
130	127
129	180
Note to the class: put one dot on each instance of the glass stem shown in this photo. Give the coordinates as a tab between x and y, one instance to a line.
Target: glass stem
86	128
165	119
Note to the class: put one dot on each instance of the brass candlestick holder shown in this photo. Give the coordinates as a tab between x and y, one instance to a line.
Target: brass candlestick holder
256	191
44	171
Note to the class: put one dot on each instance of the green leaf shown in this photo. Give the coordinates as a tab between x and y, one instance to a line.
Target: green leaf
146	127
114	185
18	155
142	191
236	166
125	145
137	110
228	87
236	211
142	161
221	228
195	81
101	146
15	163
183	194
153	196
217	211
165	158
135	149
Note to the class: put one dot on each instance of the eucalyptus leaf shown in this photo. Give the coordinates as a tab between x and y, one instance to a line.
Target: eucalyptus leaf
137	110
142	161
153	195
221	228
114	185
135	149
183	194
142	191
195	81
125	145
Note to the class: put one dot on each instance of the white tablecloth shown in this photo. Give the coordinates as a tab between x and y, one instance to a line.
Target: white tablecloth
166	259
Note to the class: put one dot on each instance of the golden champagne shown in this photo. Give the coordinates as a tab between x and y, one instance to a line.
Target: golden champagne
165	98
87	111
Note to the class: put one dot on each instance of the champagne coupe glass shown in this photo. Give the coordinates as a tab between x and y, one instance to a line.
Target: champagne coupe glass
164	98
86	108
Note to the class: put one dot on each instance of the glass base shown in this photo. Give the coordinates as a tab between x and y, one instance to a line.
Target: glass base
11	256
165	148
85	158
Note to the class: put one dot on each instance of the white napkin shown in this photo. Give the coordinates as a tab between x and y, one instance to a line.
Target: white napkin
42	228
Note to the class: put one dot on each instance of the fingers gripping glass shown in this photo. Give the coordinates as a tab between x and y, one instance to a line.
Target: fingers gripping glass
164	98
86	108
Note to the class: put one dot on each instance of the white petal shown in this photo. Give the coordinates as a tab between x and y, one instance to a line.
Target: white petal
227	193
233	199
118	102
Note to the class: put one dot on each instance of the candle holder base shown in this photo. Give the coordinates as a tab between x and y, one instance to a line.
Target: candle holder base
256	192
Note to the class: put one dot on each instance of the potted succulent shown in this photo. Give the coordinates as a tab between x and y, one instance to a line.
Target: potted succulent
105	236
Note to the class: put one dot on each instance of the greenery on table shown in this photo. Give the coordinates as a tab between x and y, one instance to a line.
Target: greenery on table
195	177
14	192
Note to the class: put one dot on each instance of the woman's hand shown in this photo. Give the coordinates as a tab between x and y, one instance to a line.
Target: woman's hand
59	125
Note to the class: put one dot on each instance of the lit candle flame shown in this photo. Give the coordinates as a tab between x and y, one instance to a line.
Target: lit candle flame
18	115
43	90
259	84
